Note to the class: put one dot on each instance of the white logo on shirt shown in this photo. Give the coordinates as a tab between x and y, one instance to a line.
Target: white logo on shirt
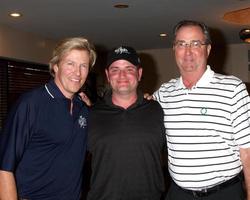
82	121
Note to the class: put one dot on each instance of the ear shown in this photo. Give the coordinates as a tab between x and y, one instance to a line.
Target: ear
107	74
139	73
55	68
208	49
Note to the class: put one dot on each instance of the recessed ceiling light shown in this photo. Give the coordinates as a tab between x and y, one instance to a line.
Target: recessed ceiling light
121	6
15	14
163	34
245	35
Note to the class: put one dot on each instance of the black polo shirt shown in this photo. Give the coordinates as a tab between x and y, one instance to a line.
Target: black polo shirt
44	145
126	147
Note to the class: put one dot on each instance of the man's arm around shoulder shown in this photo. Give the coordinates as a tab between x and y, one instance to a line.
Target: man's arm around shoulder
8	189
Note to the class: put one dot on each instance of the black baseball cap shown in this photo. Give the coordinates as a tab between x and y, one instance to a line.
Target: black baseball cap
123	53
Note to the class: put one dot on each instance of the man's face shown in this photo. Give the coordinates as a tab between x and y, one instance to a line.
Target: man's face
71	72
123	77
191	58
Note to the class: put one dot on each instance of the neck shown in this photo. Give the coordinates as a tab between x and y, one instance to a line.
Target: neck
190	79
189	82
63	91
124	101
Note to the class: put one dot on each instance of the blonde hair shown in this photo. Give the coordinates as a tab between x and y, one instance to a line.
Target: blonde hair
68	44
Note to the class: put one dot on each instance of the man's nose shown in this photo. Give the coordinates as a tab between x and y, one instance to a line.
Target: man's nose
122	73
78	69
188	49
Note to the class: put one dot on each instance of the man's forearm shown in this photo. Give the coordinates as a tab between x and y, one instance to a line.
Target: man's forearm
245	159
8	189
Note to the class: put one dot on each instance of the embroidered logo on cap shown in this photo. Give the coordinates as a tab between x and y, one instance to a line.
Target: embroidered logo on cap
121	50
82	122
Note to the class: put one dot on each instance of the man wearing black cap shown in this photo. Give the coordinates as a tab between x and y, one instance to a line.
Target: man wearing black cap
126	136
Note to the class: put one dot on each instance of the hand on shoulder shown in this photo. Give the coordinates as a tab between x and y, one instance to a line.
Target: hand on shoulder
148	96
85	98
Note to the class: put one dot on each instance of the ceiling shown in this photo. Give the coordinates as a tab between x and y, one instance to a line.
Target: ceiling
138	26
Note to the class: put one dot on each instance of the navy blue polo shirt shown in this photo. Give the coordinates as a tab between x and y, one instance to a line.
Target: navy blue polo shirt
44	145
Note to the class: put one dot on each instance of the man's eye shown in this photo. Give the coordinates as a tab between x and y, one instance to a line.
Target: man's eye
196	43
114	70
181	44
130	70
83	66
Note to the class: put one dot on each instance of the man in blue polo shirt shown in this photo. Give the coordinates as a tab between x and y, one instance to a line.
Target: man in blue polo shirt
42	148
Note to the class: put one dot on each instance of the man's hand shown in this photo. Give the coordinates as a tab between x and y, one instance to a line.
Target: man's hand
148	96
85	98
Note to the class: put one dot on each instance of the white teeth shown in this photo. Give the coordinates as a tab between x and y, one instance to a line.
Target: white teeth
75	80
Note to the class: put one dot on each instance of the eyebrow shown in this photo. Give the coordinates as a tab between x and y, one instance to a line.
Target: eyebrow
127	66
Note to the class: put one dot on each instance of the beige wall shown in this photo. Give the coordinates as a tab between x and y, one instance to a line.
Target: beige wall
239	61
236	62
160	64
24	46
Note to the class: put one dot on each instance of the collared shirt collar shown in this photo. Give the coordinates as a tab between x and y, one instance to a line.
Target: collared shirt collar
204	80
54	91
108	99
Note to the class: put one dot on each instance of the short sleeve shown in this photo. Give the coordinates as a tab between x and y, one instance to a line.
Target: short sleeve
15	135
241	116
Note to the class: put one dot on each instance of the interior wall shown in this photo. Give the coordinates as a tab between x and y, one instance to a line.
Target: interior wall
239	61
25	46
158	67
235	60
158	64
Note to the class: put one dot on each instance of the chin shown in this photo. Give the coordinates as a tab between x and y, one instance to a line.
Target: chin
75	89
